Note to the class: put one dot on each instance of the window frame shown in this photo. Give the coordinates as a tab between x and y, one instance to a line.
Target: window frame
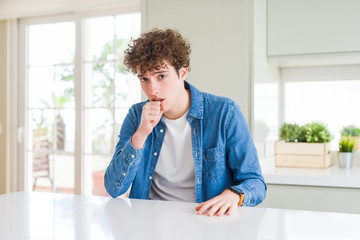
22	81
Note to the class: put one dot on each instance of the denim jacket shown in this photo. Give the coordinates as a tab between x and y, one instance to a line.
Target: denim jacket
223	151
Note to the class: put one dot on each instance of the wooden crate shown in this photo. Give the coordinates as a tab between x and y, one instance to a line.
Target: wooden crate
303	155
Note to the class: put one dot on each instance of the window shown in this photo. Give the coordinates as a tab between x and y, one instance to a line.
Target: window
109	90
51	106
331	102
77	95
329	94
266	113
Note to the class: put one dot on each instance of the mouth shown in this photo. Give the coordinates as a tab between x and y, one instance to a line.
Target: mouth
158	99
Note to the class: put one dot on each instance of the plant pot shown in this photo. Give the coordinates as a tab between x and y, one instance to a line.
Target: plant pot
302	155
345	159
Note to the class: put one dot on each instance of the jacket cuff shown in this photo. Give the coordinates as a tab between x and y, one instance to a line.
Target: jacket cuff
246	201
130	154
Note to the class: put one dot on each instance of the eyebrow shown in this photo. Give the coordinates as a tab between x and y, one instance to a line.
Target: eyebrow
156	72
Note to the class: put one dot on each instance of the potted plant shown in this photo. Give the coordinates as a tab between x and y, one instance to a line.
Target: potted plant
303	146
317	132
354	133
292	132
346	151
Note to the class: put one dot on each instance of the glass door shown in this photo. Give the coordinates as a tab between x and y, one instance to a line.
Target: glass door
74	70
109	92
51	107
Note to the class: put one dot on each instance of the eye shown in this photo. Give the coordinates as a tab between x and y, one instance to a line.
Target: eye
143	80
162	76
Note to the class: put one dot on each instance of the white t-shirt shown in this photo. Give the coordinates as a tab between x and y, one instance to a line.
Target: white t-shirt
174	176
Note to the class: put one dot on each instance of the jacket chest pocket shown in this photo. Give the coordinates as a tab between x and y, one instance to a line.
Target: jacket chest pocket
214	162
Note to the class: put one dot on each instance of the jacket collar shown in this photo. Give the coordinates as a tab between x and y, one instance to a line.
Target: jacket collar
197	102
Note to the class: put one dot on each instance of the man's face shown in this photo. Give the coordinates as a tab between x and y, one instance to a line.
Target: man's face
164	85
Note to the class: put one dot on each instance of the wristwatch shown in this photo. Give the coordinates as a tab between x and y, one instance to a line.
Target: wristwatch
241	194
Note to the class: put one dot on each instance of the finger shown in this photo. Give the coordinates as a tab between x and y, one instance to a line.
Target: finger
231	209
152	110
206	205
155	109
150	117
153	113
215	208
154	106
161	108
156	103
199	206
224	208
151	105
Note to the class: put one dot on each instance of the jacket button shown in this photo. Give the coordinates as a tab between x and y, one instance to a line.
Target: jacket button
150	177
155	153
132	156
161	130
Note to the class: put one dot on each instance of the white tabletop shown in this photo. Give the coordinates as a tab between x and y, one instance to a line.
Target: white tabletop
332	176
60	216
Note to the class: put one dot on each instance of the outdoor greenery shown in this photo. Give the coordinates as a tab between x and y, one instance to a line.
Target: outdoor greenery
346	144
103	91
42	127
314	132
350	130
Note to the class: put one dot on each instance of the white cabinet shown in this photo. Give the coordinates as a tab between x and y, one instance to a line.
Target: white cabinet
330	189
313	198
313	27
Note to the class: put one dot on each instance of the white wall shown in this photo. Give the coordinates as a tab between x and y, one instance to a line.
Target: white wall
220	34
298	27
10	9
321	73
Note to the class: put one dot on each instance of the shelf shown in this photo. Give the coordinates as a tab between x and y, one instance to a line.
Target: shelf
332	176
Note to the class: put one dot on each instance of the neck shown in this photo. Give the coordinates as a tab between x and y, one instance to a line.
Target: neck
182	106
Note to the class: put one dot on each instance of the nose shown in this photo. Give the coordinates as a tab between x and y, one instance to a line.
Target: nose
153	87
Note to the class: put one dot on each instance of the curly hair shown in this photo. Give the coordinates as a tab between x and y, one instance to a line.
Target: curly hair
150	50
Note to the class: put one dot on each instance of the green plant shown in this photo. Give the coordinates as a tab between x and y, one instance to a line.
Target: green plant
43	128
292	132
350	130
317	132
346	144
103	93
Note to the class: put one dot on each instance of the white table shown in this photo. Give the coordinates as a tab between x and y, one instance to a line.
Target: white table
59	216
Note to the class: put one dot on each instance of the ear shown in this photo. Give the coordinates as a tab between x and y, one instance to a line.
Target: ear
183	72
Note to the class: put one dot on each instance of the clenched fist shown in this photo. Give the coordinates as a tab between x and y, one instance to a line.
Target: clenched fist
151	115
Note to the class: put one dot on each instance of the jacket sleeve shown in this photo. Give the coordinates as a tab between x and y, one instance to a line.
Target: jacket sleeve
123	167
243	160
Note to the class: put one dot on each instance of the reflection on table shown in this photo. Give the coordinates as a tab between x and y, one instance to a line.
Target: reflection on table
61	216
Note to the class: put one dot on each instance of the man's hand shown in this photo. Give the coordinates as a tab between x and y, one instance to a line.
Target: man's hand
225	203
151	115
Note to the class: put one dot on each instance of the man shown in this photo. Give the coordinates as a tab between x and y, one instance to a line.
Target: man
182	144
